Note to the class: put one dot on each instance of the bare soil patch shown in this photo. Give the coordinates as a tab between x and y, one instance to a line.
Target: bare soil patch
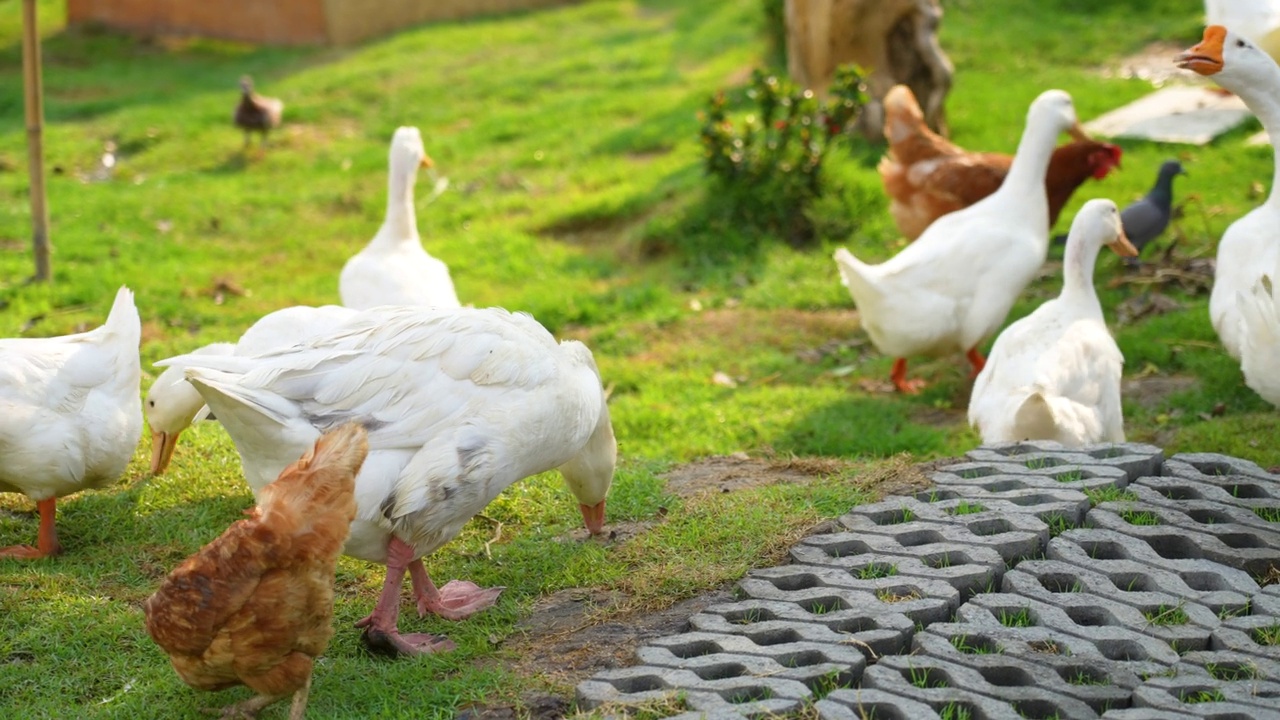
572	634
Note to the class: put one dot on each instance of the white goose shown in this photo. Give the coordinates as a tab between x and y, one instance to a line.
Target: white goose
459	404
1260	335
1055	374
1251	244
953	287
394	269
173	404
70	417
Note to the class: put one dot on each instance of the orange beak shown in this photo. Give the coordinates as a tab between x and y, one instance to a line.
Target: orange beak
1077	131
1122	247
593	517
1205	58
162	447
427	162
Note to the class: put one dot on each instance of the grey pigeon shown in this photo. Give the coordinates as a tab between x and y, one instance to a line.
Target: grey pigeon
1145	219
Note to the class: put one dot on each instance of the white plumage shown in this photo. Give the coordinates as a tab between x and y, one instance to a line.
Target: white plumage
1260	336
173	404
1055	374
70	413
459	404
394	268
953	287
1251	245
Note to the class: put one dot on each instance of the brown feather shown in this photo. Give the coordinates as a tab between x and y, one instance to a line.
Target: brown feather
255	606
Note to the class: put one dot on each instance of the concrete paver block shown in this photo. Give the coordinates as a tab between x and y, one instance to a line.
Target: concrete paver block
1254	699
819	677
1181	625
1208	504
1210	583
923	601
967	568
1051	505
1014	535
864	703
1100	685
1177	536
1136	459
642	685
873	634
1216	468
1140	587
938	682
998	477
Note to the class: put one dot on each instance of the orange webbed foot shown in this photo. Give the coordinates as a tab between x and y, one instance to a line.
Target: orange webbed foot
899	377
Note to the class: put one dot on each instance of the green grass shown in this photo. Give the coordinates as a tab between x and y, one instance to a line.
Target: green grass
1016	618
1268	635
1167	615
570	140
1109	493
1140	517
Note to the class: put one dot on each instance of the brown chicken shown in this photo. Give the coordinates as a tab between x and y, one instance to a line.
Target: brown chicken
255	606
926	176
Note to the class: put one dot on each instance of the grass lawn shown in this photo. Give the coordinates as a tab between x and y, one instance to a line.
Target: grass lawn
570	138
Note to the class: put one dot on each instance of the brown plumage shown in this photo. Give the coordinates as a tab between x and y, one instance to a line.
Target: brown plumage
926	176
257	113
255	606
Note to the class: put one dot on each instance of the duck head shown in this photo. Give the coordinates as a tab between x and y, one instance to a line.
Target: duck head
172	405
1054	108
1097	224
407	152
1232	60
590	473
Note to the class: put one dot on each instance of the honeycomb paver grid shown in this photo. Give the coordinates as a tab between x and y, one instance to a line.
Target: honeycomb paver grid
1003	592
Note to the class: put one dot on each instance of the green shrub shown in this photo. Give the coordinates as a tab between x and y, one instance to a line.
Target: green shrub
769	166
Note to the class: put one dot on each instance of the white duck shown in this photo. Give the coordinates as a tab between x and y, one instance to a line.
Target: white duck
173	404
953	287
1055	374
1260	336
459	405
70	414
394	269
1251	244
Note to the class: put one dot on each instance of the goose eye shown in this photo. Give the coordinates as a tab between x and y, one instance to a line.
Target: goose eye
1240	43
151	403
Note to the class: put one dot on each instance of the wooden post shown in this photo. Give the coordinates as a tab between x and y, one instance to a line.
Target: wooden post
35	139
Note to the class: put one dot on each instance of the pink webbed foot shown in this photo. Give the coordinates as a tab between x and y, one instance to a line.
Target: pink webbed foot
391	642
457	600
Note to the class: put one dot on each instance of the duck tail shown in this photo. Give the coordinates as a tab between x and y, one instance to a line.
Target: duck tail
123	321
856	275
1035	419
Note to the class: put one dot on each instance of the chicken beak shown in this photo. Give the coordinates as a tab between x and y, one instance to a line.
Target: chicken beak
593	517
1122	247
1205	57
162	447
1077	132
427	162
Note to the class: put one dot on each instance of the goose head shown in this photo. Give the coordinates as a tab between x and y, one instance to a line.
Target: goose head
1230	59
1053	108
1098	224
590	473
408	153
172	405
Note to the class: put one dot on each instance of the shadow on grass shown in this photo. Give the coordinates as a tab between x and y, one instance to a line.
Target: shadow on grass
862	426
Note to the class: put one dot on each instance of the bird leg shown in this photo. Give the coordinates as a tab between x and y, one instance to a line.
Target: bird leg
298	708
380	631
46	540
457	600
899	377
246	709
975	359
